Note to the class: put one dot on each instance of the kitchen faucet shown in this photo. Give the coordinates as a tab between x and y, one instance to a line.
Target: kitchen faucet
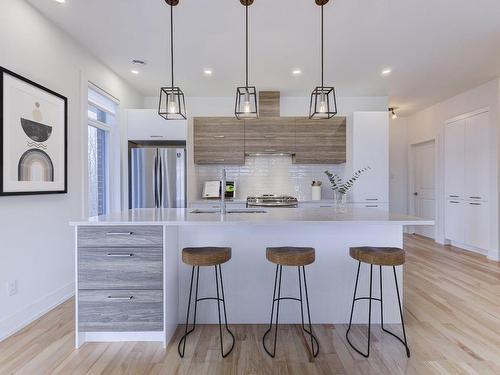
223	193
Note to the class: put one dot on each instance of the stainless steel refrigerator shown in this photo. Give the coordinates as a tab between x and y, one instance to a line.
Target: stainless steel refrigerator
157	177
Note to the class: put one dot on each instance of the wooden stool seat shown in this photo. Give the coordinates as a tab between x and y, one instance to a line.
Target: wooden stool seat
206	256
380	256
290	256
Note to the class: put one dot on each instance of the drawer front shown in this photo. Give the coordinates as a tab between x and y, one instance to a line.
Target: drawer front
120	268
119	236
120	311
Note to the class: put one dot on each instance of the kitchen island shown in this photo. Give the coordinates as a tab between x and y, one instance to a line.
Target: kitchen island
132	286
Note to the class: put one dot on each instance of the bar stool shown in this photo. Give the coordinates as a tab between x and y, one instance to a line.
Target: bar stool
378	256
295	257
206	257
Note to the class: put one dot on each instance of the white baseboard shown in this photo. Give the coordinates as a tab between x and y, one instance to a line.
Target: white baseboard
32	312
122	336
494	255
469	248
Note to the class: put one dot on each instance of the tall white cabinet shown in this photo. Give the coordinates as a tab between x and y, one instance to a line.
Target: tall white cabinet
370	148
467	185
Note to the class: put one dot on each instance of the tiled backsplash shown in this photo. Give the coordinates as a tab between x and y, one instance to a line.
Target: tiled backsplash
270	175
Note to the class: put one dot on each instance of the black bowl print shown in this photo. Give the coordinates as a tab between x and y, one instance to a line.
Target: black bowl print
36	131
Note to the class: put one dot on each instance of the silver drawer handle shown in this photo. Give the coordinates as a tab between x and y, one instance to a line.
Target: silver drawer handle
454	202
475	204
271	150
156	136
371	199
371	206
326	206
219	136
475	197
119	234
119	255
454	196
121	297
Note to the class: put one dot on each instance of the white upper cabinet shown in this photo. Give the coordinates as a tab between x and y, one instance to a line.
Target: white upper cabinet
454	159
147	125
370	148
477	162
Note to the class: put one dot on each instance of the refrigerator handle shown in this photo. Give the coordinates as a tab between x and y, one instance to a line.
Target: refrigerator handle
155	181
160	180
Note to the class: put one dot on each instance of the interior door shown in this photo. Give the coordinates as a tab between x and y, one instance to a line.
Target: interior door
424	186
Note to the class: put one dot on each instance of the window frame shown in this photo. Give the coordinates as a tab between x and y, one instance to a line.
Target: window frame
110	131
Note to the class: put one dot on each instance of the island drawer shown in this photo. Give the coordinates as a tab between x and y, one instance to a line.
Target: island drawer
120	268
117	236
120	311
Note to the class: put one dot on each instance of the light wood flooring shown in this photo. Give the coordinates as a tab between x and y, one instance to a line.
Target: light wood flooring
452	311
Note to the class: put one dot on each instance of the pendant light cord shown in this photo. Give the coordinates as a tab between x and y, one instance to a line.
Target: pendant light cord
246	51
322	42
172	41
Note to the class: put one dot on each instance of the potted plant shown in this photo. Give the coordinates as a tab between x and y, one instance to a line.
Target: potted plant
340	187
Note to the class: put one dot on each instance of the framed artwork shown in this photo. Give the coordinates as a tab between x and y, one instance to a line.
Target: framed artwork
33	137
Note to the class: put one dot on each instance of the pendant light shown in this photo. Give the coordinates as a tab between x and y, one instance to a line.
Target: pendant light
246	97
172	105
323	102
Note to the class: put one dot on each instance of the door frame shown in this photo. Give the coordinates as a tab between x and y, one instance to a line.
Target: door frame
411	180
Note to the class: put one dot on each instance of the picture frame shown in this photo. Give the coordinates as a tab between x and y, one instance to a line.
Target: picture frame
33	137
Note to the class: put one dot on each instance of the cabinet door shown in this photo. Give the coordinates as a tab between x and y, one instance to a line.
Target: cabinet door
320	141
371	149
454	159
477	157
219	141
375	206
147	125
270	135
454	225
477	228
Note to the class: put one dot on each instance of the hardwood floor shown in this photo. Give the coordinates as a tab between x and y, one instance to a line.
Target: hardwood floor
452	311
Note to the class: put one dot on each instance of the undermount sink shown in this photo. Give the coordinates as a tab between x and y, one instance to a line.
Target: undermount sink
231	211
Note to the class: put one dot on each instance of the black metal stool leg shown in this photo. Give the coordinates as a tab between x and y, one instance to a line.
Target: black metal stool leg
403	341
370	298
277	284
182	341
223	300
310	332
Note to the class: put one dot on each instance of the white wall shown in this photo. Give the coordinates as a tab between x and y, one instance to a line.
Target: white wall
37	246
429	124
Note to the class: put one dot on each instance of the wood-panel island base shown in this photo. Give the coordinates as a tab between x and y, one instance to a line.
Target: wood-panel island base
132	286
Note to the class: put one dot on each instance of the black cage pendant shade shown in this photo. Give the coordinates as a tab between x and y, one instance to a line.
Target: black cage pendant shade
323	101
172	105
246	96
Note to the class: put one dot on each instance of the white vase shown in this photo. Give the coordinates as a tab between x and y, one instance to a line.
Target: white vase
316	193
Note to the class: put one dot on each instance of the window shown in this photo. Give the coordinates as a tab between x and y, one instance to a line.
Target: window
101	120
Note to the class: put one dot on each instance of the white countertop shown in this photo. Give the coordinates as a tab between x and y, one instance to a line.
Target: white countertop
183	216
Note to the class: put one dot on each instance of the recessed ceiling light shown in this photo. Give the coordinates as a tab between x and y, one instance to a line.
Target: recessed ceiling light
386	72
296	72
133	71
60	1
208	72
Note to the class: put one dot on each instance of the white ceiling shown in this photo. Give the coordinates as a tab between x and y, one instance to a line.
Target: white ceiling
436	48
